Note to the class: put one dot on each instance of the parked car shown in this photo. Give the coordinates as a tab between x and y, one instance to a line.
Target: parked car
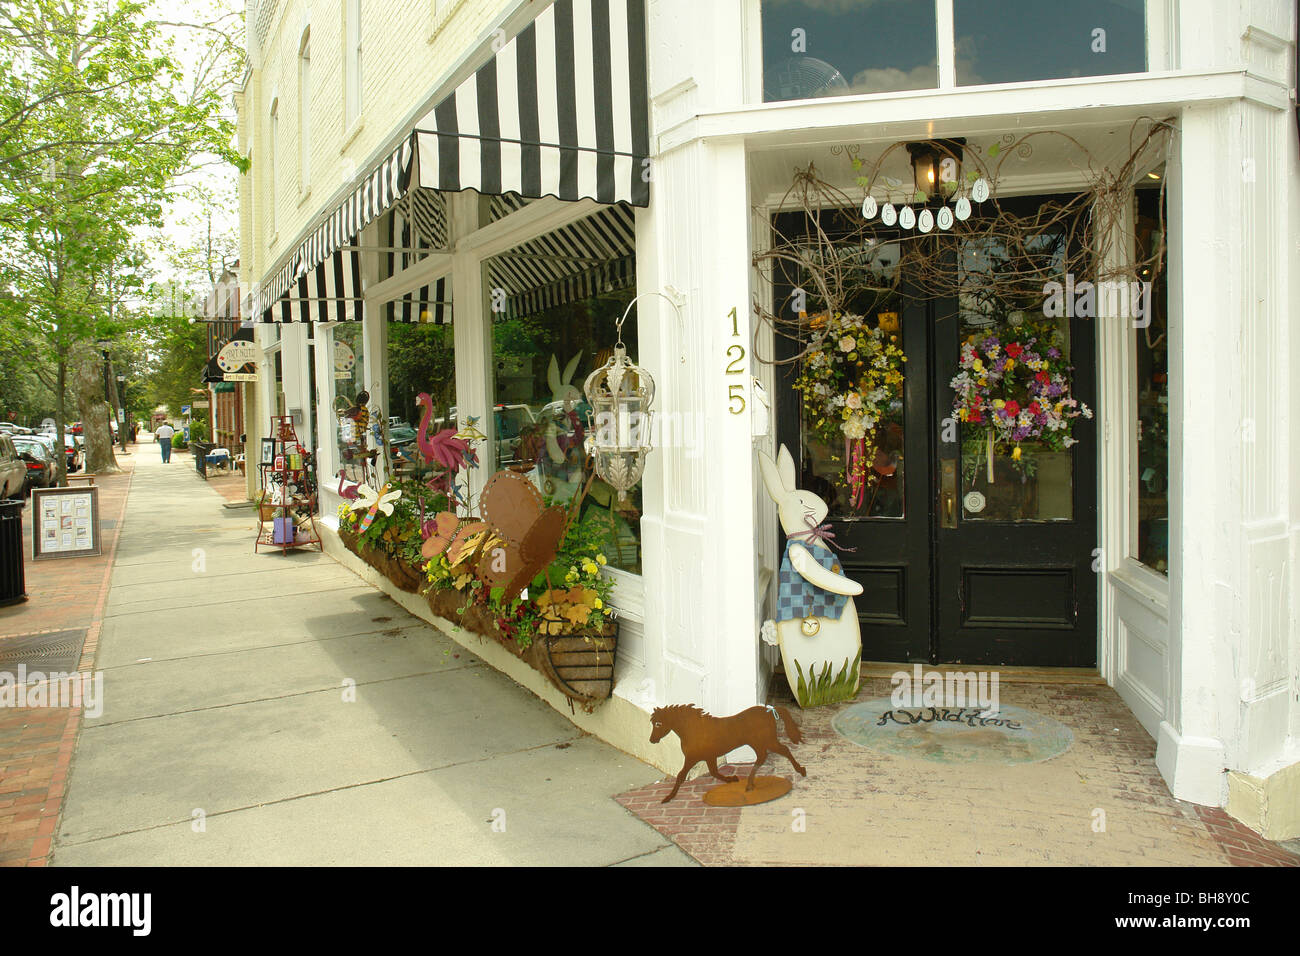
13	470
39	459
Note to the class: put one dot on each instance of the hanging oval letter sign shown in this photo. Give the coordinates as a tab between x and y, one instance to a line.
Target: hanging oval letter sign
907	218
980	191
944	218
869	208
925	221
963	209
888	215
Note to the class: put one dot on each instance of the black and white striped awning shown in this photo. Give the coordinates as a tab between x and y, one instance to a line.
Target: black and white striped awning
329	293
560	110
585	258
430	303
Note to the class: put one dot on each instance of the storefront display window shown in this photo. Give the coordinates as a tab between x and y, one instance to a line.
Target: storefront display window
421	361
349	374
1018	40
813	49
541	360
1151	344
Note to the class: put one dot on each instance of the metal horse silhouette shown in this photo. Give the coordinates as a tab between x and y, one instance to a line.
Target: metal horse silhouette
705	737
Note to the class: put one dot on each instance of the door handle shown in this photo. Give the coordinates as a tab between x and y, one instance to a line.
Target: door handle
948	493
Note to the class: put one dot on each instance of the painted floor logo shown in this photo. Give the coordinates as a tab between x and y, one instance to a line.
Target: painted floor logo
952	689
74	909
56	689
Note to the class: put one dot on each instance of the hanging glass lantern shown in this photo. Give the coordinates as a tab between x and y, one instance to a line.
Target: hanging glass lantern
620	393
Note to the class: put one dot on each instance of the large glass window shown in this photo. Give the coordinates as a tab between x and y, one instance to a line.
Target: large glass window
1017	40
541	360
815	48
348	346
421	361
1151	476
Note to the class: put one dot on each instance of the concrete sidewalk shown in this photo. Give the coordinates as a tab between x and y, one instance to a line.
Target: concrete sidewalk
275	709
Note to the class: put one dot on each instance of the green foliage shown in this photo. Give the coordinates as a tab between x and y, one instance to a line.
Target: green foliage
398	534
182	351
97	121
421	358
823	688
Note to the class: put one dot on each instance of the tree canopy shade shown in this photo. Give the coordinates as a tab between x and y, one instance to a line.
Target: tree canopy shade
96	122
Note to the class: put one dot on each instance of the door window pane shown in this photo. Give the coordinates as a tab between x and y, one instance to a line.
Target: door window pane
1008	345
1151	476
858	477
1018	40
814	48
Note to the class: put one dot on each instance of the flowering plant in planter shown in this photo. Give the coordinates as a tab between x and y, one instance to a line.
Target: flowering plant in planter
1015	383
848	383
568	597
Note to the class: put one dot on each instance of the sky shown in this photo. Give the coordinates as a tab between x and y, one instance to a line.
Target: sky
185	217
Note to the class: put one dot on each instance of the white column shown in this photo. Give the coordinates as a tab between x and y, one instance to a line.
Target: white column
472	323
374	334
731	485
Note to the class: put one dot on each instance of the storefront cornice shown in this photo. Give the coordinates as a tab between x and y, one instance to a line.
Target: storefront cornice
933	112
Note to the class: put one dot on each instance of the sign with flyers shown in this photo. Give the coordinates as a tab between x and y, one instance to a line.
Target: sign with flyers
65	522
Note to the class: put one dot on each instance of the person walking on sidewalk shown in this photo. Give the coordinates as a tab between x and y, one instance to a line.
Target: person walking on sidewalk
164	436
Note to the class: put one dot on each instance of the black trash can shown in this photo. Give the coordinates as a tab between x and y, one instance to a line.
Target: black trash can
13	584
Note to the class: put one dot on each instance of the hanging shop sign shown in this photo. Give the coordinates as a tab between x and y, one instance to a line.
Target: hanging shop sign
238	360
344	360
65	522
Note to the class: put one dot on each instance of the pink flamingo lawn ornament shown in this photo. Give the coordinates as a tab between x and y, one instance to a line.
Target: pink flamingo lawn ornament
443	448
350	492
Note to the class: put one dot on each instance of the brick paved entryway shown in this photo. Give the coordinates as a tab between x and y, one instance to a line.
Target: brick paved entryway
1102	802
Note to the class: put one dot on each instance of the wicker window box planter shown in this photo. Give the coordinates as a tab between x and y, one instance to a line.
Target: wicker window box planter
390	566
580	665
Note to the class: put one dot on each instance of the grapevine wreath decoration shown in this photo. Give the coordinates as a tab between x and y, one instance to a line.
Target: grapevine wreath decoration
1016	384
848	383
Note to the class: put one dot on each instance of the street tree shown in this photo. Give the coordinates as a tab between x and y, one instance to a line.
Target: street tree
97	120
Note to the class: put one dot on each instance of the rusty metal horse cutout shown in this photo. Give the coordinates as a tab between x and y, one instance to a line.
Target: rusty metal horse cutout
705	737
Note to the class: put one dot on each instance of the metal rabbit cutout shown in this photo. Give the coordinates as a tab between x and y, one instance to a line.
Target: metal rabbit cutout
816	622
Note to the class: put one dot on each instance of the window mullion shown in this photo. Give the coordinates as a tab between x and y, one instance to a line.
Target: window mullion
946	44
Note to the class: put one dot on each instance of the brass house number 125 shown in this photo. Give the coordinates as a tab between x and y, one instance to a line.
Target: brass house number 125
735	366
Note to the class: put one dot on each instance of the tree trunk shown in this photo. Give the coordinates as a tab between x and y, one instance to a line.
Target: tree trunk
88	384
60	423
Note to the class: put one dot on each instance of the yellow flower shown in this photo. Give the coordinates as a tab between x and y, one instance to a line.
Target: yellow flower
977	365
1011	363
600	559
998	403
598	604
1015	453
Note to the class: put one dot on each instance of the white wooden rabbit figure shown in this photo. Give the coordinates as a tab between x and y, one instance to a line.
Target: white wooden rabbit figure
816	622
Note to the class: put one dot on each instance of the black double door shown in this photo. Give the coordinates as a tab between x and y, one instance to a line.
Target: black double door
964	556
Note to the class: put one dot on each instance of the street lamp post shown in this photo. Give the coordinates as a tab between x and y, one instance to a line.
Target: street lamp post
122	425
